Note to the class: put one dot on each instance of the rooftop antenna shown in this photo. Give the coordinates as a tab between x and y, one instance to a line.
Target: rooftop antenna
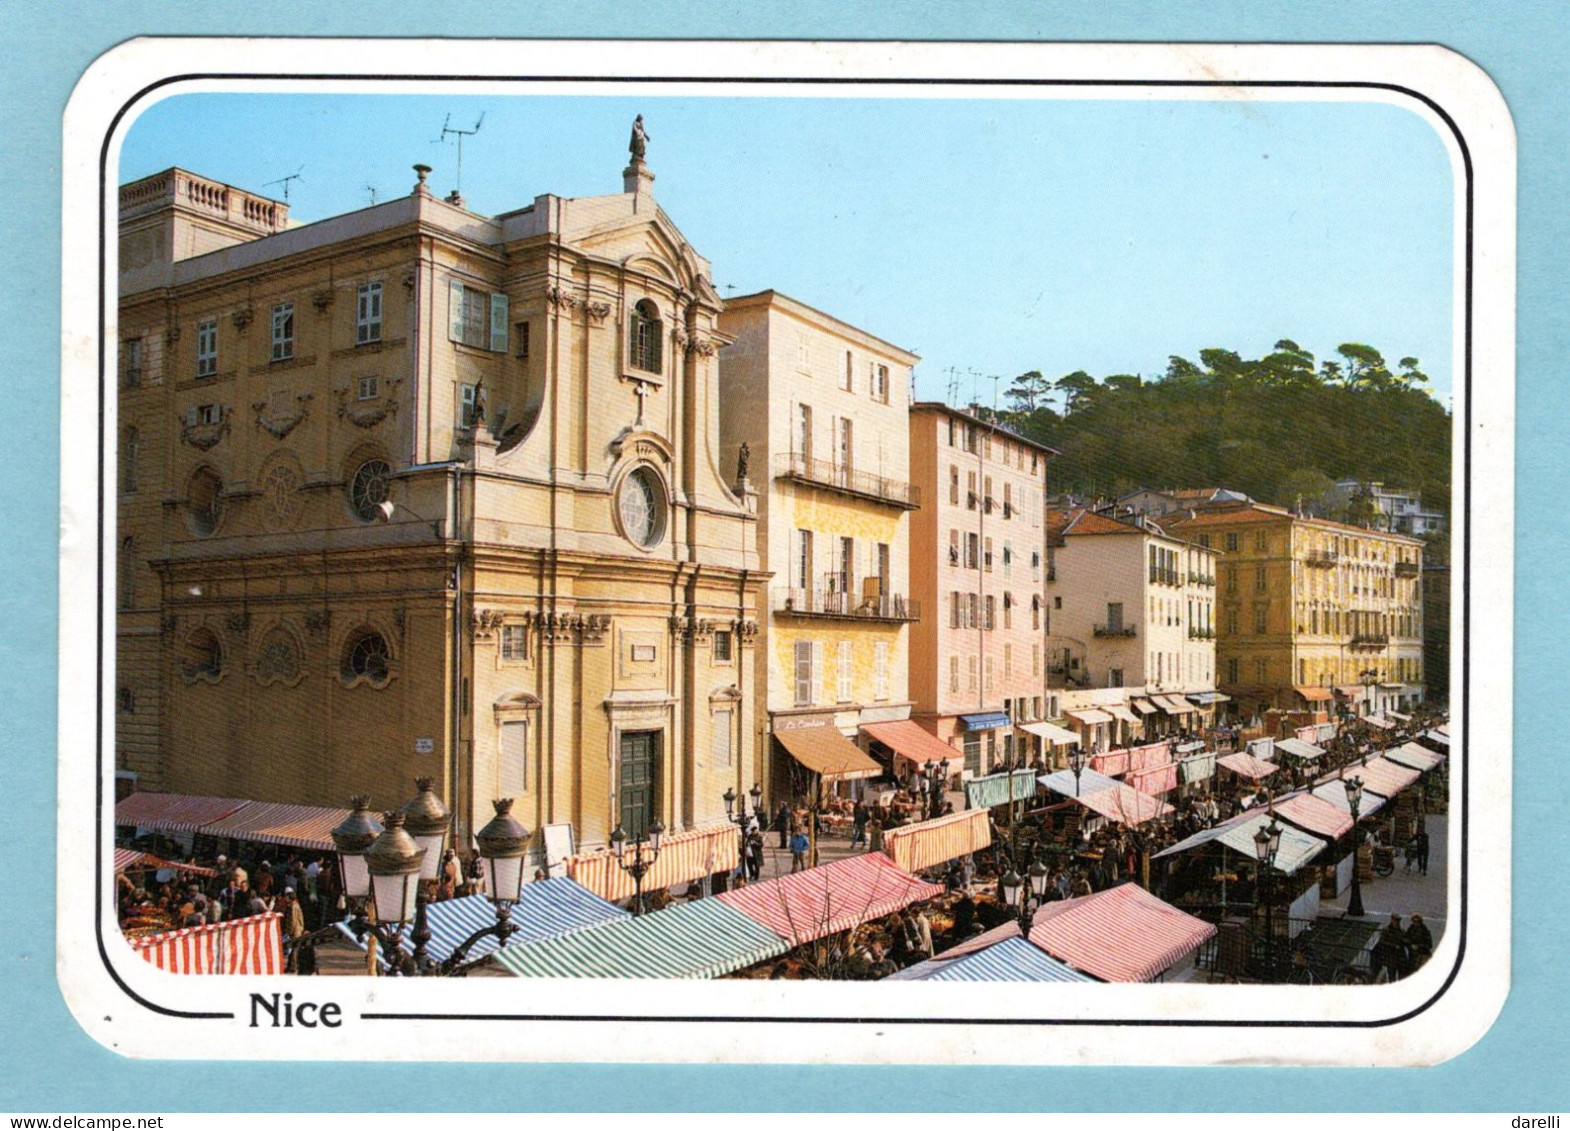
284	181
370	188
460	134
952	388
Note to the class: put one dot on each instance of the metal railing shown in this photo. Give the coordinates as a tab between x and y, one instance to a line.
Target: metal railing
1408	569
1201	579
1114	630
837	477
831	603
1160	576
1370	640
1321	559
1201	634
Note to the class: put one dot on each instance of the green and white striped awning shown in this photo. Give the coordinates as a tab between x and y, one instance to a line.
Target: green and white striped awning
704	939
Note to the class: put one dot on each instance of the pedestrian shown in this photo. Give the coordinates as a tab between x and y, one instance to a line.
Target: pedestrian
451	876
859	818
1389	956
1419	943
782	824
875	835
1422	854
923	934
755	854
293	924
798	851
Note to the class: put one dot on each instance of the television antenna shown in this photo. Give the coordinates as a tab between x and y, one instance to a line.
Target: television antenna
370	188
284	181
447	128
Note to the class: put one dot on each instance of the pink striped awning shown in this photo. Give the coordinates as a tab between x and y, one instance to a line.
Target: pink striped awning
1247	765
1149	756
1381	775
684	857
241	946
129	858
923	845
1315	815
272	822
1123	934
834	897
1157	779
173	812
1114	763
915	743
1125	805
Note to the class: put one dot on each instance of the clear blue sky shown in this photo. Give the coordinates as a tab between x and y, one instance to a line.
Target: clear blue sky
992	236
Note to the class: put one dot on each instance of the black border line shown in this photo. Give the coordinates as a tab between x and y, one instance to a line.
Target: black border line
656	80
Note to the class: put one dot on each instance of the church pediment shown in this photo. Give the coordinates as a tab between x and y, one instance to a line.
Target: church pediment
641	443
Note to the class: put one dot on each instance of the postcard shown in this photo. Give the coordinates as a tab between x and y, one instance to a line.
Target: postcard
817	553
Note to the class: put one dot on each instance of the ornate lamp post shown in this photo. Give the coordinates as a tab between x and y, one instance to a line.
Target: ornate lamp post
1025	897
427	821
1267	842
739	815
393	864
932	784
1354	797
1077	760
637	862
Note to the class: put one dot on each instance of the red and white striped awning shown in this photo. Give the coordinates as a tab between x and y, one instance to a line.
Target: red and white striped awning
928	843
914	743
1247	765
1315	815
1125	805
833	897
129	858
241	946
1381	775
173	812
272	822
1123	934
684	857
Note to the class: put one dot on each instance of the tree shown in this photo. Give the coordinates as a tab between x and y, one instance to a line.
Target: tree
1077	387
1122	382
1365	366
1411	375
1029	391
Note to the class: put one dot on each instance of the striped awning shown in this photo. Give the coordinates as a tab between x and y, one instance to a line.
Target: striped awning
684	857
1201	838
1173	705
1123	934
833	897
1335	793
546	909
927	843
240	946
1381	775
1199	767
1012	960
1300	749
1089	716
1415	757
1315	815
828	753
270	822
996	789
1144	706
173	812
699	939
1062	781
129	858
1126	805
1296	848
914	743
1056	735
1008	929
1247	765
1125	714
1155	780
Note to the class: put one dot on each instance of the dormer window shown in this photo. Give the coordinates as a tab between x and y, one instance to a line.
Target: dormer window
645	339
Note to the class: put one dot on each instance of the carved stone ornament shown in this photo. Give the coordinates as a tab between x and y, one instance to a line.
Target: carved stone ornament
560	298
203	437
486	622
368	417
281	426
323	301
703	347
692	628
597	311
237	623
747	630
171	335
679	336
316	623
243	318
573	628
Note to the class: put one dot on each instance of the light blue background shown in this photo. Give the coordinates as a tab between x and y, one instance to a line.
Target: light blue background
50	1065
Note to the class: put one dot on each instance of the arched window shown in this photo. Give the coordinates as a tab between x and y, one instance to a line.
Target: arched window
204	501
204	658
366	656
368	489
647	331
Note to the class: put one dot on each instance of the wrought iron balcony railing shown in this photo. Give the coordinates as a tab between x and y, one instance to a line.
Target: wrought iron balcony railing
847	481
830	603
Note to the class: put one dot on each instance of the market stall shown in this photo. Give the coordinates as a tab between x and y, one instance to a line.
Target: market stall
1247	766
684	857
926	844
834	897
268	822
1123	934
1000	789
128	860
240	946
1011	960
1297	748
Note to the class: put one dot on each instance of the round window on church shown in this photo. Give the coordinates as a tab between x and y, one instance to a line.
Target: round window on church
368	489
642	506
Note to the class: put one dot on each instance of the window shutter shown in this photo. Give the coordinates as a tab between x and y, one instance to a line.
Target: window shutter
817	690
803	673
881	671
455	311
499	323
844	672
514	775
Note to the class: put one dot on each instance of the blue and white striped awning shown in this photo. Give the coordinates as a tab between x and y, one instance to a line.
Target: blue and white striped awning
546	909
1012	960
703	939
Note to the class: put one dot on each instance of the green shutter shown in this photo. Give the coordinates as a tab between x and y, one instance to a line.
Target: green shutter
499	323
455	311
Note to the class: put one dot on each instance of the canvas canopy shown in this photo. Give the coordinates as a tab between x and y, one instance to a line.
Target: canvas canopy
984	793
1247	765
1123	934
1335	793
928	843
173	812
269	822
1012	960
1415	757
914	743
833	897
1056	735
828	753
1297	748
1296	849
1316	815
684	856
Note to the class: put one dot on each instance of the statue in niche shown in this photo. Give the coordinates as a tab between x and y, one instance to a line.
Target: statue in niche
639	144
743	459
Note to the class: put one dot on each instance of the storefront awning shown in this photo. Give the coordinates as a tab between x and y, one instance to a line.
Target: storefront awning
1173	705
1349	691
913	742
699	939
1144	706
1247	765
546	909
173	812
1207	698
987	720
833	897
825	751
995	789
1012	960
1297	748
1123	934
929	843
684	856
1089	716
1315	815
1314	694
1415	757
1056	735
295	826
1125	714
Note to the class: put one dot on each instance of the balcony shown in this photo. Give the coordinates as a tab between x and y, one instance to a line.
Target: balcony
1114	630
1164	577
1322	559
1201	634
857	484
1408	569
1371	641
1202	579
828	603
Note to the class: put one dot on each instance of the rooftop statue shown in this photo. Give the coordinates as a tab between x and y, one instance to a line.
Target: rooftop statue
640	140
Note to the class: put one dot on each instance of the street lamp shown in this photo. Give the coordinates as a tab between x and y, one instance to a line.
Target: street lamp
933	786
1368	677
1267	842
636	863
739	816
1076	762
1354	797
1025	894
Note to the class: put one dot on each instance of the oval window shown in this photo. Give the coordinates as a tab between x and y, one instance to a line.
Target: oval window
643	507
368	488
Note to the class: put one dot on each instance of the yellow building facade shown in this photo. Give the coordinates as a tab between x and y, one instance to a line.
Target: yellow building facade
1313	615
822	408
418	491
